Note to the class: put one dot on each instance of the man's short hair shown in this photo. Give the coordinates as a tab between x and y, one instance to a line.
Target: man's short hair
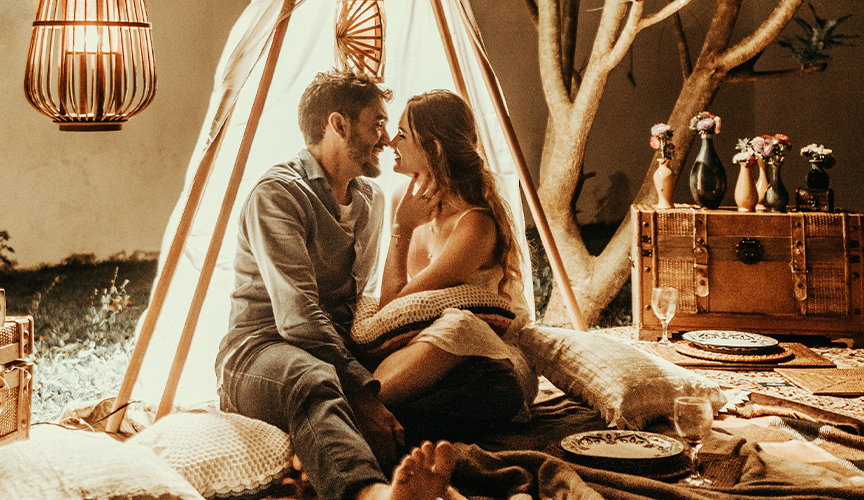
345	92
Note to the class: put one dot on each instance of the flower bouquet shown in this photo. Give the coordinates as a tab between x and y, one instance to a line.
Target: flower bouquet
705	123
663	180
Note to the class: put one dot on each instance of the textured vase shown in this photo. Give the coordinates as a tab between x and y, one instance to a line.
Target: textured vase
664	183
776	197
761	185
707	177
817	177
745	190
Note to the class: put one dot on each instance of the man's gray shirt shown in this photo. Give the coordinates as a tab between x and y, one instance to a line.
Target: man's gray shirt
299	271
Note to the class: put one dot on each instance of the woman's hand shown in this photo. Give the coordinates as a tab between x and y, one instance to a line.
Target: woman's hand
421	204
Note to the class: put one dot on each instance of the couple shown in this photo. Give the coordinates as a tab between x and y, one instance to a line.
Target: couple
307	250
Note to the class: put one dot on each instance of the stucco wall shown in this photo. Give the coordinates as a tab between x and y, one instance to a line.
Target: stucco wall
101	193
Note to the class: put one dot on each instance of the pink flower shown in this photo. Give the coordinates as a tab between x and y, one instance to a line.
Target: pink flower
660	129
782	139
655	142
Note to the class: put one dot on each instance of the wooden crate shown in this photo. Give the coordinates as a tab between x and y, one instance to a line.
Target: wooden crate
771	273
16	338
15	414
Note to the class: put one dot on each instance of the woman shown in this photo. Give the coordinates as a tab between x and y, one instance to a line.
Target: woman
451	227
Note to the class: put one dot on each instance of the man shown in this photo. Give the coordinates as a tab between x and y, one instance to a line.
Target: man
307	246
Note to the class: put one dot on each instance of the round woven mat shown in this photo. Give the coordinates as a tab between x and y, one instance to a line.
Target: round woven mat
775	355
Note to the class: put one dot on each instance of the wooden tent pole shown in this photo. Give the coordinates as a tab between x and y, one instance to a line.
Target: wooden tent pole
167	402
450	50
527	183
163	283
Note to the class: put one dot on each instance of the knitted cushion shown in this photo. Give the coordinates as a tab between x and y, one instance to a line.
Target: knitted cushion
220	454
628	387
76	466
380	332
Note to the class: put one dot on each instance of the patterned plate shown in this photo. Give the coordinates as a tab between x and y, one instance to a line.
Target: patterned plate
730	341
621	444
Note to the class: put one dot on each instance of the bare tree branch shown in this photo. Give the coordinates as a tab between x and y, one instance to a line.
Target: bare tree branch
759	39
683	48
628	34
671	8
549	42
748	75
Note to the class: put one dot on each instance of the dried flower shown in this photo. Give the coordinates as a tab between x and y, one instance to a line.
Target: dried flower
705	123
771	147
819	154
745	153
660	135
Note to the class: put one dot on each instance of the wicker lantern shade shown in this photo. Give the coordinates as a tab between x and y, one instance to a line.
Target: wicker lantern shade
91	63
360	28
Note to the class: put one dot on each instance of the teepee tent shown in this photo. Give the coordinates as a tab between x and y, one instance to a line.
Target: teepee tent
274	50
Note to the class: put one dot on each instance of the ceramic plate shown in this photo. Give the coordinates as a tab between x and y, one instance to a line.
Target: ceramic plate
730	341
621	444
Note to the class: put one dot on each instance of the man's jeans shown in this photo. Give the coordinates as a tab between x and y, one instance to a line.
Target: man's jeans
291	389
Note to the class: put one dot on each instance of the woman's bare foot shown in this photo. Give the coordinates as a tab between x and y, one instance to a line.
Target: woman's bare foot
424	474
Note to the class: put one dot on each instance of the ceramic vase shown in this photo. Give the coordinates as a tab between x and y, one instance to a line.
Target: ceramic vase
817	177
707	177
745	190
776	197
761	185
664	183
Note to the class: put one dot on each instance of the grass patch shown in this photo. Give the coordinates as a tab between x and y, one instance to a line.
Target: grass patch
84	333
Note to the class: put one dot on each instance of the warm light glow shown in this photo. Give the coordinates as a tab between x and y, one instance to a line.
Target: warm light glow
91	63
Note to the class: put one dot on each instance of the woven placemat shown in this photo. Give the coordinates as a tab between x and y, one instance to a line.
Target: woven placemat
776	354
827	382
802	357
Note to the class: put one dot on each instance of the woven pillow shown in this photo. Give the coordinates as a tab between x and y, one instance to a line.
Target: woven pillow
629	388
76	466
221	454
378	333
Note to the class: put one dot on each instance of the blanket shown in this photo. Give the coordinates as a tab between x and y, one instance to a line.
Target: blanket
523	475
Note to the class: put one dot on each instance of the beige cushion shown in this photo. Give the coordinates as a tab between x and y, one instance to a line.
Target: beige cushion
628	387
87	467
377	333
220	454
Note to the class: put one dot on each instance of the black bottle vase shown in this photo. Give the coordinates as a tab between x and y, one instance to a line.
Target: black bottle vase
708	177
776	197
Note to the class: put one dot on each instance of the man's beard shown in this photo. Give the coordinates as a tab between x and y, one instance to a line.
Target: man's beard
359	152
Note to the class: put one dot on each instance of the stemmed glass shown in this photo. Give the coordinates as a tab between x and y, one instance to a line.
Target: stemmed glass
693	419
664	301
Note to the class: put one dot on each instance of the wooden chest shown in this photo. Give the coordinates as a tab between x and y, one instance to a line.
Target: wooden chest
16	338
16	378
16	386
772	273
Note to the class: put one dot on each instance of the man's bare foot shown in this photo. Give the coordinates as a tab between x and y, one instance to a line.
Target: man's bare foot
424	474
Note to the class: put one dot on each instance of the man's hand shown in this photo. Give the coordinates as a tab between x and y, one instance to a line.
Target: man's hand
379	427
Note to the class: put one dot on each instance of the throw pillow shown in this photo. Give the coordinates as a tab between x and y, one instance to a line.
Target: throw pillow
377	333
87	467
628	387
220	454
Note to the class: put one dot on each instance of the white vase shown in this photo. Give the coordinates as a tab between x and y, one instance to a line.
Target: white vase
664	183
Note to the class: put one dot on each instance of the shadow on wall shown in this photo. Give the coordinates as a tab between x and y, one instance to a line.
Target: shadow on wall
613	205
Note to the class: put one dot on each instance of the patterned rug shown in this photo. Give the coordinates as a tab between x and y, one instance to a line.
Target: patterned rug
771	382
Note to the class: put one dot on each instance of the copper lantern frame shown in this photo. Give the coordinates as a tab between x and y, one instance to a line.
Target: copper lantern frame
91	64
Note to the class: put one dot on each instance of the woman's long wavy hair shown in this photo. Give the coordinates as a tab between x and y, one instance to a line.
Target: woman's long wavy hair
440	117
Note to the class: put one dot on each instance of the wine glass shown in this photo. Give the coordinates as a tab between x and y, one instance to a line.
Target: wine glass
693	419
664	301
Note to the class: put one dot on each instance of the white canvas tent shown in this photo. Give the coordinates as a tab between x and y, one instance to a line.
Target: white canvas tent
427	43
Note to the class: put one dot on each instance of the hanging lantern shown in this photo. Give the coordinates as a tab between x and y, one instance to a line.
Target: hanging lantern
91	62
360	36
